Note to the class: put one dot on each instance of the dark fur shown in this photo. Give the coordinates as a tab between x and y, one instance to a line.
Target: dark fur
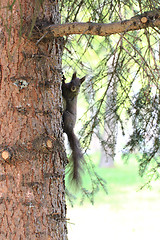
70	92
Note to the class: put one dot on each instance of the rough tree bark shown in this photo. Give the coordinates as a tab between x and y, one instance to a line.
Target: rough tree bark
32	199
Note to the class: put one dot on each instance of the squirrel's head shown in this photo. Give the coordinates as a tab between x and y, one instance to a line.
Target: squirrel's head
71	89
76	83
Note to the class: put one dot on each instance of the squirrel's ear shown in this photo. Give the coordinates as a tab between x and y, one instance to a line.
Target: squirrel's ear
82	79
63	79
74	75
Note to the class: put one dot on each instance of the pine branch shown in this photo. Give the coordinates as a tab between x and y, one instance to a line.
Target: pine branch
145	20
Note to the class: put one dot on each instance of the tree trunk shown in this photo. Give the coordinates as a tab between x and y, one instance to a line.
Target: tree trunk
110	126
32	194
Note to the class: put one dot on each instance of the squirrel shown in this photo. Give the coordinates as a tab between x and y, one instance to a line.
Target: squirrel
70	93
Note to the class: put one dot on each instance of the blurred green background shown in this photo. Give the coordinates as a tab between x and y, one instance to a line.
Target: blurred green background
126	212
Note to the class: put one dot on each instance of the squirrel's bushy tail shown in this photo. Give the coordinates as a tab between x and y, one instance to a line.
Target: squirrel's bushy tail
77	157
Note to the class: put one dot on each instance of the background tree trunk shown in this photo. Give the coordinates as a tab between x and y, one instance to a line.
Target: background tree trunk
32	199
108	149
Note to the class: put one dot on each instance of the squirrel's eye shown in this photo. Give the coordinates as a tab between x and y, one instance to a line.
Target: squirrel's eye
73	89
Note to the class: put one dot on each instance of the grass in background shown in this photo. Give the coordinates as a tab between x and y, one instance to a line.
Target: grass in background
122	182
125	213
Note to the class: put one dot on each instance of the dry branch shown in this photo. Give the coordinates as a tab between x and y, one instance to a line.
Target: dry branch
147	19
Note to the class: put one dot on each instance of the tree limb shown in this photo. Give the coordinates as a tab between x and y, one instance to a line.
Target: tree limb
147	19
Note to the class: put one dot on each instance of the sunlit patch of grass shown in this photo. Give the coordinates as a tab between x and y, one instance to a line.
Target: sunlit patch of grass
123	184
126	212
